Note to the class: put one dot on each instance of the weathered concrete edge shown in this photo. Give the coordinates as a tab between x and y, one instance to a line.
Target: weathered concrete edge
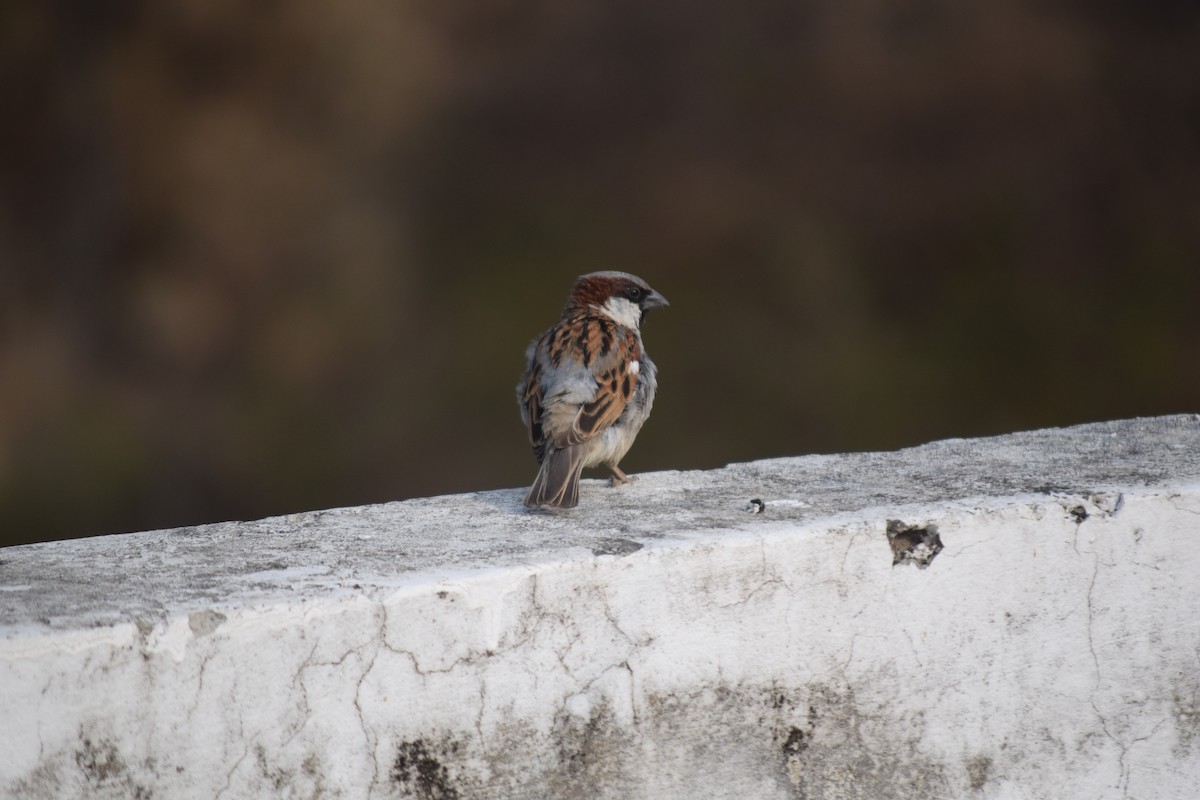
88	582
387	589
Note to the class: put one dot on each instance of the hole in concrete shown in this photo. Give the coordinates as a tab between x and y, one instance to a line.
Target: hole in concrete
1079	514
420	774
913	544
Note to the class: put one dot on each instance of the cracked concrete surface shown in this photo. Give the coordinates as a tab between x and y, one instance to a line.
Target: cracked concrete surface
658	642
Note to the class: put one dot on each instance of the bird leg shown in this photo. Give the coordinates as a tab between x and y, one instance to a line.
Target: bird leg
618	477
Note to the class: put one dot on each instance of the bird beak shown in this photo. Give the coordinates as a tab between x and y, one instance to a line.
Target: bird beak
654	300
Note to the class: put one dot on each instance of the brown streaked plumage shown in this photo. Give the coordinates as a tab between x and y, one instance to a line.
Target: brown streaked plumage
588	385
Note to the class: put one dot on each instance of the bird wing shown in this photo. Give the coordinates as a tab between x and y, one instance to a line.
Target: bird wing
531	402
581	376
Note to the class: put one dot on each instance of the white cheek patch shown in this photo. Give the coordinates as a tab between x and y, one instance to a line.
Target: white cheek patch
623	312
634	367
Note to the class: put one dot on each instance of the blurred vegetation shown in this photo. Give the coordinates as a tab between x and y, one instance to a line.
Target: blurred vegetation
258	258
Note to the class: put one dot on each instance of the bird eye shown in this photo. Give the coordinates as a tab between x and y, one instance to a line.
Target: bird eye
635	293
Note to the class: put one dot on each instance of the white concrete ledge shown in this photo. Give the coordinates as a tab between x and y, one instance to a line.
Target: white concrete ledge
1016	617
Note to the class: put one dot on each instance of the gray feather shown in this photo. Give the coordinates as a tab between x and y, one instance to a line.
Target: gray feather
557	481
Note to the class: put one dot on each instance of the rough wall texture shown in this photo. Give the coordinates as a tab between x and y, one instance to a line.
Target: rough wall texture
1004	618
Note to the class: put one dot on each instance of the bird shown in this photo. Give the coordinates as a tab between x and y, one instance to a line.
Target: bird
588	385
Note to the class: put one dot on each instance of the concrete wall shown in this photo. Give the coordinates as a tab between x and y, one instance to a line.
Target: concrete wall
1015	617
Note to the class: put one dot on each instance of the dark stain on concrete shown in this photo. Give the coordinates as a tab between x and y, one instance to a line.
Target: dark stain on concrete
418	770
978	769
105	770
615	547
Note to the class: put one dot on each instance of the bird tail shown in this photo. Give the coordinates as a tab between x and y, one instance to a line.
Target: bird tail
557	482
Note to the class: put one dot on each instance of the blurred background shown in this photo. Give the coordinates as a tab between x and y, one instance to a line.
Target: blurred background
259	258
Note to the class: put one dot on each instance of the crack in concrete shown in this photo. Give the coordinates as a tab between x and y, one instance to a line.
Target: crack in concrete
913	646
298	680
564	712
1124	769
1127	769
764	569
311	662
236	764
845	668
541	616
41	740
1090	624
634	646
200	681
527	634
633	704
962	548
776	581
1175	499
612	620
462	661
372	742
482	709
1075	539
846	555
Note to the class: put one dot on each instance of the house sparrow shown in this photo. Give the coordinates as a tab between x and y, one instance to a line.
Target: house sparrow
588	385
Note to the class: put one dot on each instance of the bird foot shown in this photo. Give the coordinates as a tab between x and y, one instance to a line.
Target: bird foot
619	478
